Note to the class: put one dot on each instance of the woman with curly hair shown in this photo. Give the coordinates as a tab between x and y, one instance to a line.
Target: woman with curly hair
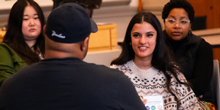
192	52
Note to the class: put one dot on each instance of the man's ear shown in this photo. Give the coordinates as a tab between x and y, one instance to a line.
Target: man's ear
85	44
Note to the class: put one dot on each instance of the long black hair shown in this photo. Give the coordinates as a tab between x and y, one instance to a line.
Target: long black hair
161	59
14	36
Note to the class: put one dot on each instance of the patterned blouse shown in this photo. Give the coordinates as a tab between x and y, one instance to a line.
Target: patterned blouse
153	82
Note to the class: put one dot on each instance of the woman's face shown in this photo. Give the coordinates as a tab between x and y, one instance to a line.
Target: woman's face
177	24
31	25
143	40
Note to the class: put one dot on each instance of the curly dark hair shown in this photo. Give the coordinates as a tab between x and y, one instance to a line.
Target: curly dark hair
178	4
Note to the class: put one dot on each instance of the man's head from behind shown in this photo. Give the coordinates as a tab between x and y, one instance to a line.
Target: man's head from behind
68	25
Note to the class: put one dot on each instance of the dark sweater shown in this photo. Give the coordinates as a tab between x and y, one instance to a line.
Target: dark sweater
69	84
195	57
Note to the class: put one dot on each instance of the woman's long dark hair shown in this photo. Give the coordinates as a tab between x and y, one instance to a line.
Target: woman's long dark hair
14	36
161	59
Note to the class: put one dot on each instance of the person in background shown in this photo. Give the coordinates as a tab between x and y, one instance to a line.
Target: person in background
89	5
146	61
23	43
62	81
192	52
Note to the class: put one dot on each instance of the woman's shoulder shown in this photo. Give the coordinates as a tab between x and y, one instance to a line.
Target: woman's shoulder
2	44
192	38
179	74
203	44
8	52
4	47
120	67
115	66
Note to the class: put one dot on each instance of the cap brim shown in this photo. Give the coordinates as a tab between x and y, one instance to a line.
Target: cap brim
94	27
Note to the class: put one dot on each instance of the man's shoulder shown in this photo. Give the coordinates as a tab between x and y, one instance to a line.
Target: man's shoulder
105	72
103	68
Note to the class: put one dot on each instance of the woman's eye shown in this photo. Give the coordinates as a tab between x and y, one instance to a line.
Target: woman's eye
36	17
171	21
149	35
183	22
136	35
25	18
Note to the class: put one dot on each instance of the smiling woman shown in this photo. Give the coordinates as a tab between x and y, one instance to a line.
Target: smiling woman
143	41
23	43
145	59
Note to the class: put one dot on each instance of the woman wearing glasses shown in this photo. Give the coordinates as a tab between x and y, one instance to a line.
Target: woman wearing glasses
192	52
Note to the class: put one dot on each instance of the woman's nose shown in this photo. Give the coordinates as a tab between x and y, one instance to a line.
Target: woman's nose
142	40
176	25
31	22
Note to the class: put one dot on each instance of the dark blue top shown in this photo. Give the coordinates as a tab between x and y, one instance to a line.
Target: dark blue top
68	84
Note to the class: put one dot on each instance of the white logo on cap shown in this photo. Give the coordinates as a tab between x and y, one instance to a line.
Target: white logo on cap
57	35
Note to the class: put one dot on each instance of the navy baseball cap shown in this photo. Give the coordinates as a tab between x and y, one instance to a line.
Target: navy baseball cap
69	23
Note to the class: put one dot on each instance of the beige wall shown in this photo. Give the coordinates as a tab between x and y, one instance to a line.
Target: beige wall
120	15
156	7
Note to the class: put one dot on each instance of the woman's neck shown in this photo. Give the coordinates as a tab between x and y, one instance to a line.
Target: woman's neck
143	63
31	43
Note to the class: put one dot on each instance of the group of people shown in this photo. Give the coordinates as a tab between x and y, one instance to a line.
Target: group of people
42	67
